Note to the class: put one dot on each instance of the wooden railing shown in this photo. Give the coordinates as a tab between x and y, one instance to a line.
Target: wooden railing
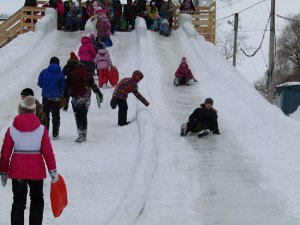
22	21
203	19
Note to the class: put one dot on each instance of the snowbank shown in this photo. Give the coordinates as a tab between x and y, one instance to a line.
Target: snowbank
48	23
185	22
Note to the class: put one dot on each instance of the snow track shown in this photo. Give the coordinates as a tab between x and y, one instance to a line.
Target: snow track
145	173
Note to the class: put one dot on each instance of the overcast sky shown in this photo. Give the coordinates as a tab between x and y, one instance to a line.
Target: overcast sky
252	21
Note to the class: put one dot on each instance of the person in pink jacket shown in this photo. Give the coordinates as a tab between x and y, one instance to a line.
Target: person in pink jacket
103	62
87	53
183	75
26	148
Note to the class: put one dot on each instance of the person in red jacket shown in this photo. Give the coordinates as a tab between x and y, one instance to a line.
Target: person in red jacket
183	75
123	88
26	148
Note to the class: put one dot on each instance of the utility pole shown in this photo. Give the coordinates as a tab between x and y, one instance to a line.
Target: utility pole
236	25
270	87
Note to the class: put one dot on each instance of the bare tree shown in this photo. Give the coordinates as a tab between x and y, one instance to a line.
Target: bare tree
225	43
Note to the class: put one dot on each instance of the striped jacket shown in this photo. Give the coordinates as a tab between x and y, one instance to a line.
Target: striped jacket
25	148
126	86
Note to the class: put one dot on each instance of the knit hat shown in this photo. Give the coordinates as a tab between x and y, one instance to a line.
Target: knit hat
209	100
27	92
54	60
183	60
27	105
137	75
92	35
73	57
165	21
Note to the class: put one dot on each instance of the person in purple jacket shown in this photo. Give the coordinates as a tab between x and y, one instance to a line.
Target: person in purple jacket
103	62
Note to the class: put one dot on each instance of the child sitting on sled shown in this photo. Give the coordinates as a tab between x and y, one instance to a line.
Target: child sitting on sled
183	75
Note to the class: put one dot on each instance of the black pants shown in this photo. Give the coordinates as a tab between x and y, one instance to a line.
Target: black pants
20	189
171	22
90	66
196	126
80	108
53	107
122	114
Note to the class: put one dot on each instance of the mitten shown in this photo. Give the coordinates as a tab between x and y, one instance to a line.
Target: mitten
4	178
54	176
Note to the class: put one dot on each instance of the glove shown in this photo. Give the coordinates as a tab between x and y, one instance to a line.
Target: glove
54	176
4	178
216	132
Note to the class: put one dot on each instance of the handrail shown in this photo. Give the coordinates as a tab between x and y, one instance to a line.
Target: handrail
22	21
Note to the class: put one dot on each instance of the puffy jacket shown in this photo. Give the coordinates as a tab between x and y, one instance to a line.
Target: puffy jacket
86	51
103	26
128	85
102	59
52	82
26	148
81	82
184	71
206	117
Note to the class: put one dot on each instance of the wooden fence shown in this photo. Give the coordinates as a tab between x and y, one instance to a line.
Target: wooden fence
22	21
203	19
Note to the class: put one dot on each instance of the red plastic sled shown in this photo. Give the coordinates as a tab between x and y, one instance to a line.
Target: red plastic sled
113	76
58	196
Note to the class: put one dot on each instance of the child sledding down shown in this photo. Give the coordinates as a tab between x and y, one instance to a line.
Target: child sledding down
103	62
164	28
183	75
202	120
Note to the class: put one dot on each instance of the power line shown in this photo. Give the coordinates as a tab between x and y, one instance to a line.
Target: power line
259	47
289	19
230	5
242	10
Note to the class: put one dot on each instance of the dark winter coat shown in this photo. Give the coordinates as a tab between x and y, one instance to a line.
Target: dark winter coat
208	118
167	10
52	82
187	5
81	83
67	70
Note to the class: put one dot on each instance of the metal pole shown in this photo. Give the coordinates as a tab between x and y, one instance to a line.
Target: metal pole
236	25
270	87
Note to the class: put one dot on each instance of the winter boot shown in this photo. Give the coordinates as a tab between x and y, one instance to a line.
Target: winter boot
176	82
184	129
189	83
203	133
81	137
55	133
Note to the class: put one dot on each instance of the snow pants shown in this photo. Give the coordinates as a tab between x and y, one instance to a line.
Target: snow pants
80	108
122	114
20	189
52	105
102	77
196	126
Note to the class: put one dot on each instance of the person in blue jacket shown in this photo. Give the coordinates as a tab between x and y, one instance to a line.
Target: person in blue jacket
52	82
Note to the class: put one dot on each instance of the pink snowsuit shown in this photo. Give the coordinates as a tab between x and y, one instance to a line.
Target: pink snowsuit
103	61
86	51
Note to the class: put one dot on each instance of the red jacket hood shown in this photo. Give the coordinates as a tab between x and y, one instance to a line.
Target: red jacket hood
85	40
26	122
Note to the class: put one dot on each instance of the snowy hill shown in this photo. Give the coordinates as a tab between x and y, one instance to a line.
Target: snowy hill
145	173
